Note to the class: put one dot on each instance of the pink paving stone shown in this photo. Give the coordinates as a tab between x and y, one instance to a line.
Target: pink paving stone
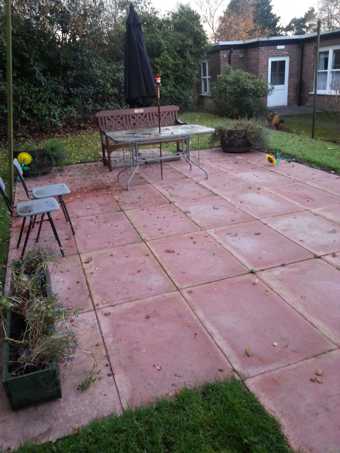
195	172
223	184
308	411
69	284
195	258
334	259
261	203
153	174
124	274
179	193
313	288
104	231
299	171
253	326
160	221
214	211
259	246
331	212
140	197
264	178
52	420
156	347
328	182
306	196
90	204
311	231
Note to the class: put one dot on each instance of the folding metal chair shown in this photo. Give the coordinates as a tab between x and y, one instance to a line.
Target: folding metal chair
51	190
31	209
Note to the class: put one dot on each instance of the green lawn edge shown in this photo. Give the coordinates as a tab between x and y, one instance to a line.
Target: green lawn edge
219	417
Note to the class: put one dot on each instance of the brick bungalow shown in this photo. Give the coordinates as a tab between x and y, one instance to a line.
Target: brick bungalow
286	63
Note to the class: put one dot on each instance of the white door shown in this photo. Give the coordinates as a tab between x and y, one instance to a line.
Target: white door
278	75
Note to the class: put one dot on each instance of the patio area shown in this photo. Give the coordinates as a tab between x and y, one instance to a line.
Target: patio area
184	280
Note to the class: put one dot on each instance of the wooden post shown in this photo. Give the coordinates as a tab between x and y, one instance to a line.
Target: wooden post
316	64
9	90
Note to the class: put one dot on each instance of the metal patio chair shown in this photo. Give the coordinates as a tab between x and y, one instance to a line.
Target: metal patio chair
51	190
31	209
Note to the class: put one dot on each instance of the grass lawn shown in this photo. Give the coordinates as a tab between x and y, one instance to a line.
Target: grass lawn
327	125
222	417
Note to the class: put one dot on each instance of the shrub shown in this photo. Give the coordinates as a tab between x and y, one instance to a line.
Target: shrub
244	134
239	94
56	150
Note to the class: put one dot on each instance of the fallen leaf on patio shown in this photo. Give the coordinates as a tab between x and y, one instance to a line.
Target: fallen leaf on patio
316	380
247	352
318	373
147	317
107	313
158	367
88	260
169	251
275	344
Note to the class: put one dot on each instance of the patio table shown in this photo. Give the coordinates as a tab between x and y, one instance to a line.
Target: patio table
133	139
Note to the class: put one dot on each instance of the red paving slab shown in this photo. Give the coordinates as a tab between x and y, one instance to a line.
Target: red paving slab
156	347
214	211
261	202
313	288
242	315
311	231
160	221
334	259
305	195
69	284
104	231
308	410
195	258
179	193
331	212
259	246
93	203
327	181
52	420
264	178
124	274
138	197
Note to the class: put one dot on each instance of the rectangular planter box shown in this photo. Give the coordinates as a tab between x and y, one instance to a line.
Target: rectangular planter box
31	388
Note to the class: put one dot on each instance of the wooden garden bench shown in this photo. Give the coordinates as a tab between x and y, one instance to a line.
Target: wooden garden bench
130	119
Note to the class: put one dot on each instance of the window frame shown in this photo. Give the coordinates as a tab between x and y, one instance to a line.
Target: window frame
329	70
205	77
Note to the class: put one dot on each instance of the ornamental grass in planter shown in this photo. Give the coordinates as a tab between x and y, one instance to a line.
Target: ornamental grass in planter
36	332
243	136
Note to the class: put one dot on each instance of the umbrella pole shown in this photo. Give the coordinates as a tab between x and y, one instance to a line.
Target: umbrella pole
159	125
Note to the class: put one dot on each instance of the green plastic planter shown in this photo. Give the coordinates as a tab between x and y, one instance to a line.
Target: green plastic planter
31	388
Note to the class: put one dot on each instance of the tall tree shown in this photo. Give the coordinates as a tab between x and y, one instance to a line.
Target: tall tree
329	13
237	23
265	19
302	25
209	11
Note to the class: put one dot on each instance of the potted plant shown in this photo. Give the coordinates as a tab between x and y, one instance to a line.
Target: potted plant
37	335
243	136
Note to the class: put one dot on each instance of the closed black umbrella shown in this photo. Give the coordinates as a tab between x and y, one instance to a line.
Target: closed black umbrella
139	83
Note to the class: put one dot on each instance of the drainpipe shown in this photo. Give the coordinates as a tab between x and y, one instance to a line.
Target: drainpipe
229	56
302	57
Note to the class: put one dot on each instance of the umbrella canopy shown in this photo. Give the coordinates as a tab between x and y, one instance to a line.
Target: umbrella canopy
139	83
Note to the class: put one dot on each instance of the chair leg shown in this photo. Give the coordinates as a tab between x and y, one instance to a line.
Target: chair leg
21	231
40	225
66	213
27	237
34	220
55	233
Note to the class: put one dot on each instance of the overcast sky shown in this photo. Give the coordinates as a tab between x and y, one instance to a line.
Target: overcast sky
286	9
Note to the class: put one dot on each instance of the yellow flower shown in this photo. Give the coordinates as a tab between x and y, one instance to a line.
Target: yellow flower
271	159
24	158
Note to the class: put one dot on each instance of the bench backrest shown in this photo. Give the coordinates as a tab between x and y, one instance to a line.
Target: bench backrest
126	119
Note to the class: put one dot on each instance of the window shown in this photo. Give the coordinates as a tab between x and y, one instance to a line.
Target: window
205	79
278	72
329	71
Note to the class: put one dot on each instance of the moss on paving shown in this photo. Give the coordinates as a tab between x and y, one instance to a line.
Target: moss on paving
221	417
